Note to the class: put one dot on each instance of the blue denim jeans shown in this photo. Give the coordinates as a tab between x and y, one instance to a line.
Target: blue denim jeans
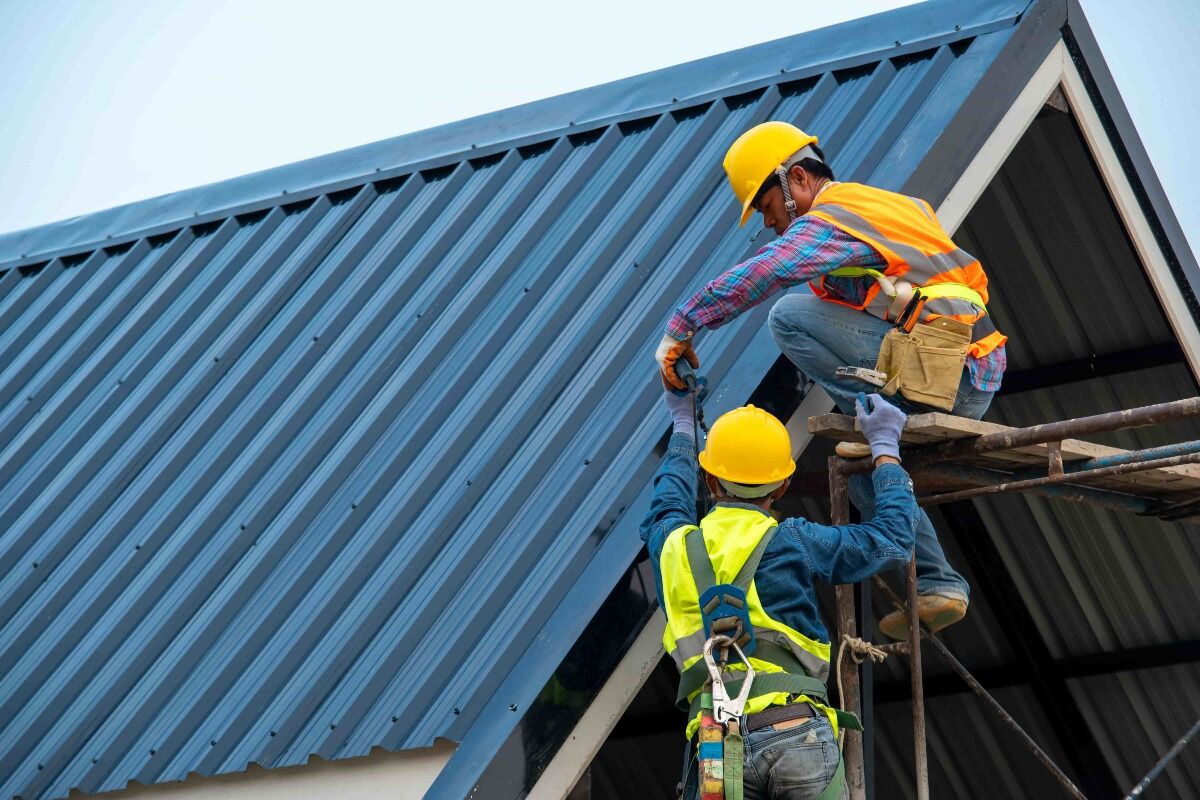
792	764
818	337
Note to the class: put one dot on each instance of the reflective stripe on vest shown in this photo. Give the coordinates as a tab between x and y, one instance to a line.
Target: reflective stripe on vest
905	231
730	536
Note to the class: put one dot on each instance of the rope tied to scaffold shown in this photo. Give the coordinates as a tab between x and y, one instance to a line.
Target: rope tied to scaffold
860	650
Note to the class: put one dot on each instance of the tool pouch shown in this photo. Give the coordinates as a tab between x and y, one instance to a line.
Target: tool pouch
926	366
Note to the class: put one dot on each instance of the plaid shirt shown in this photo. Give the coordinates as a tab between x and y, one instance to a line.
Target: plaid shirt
808	249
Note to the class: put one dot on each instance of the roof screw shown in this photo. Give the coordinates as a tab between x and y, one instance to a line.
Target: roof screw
473	147
512	707
39	766
213	743
468	483
674	99
457	711
242	526
284	191
152	752
379	169
95	761
958	27
272	733
332	725
35	565
395	719
316	337
587	461
216	359
525	290
783	72
897	43
137	547
353	505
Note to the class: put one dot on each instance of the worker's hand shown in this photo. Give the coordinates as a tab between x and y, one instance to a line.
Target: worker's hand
679	405
881	424
669	351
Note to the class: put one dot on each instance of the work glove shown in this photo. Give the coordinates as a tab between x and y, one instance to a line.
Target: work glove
881	424
669	351
679	406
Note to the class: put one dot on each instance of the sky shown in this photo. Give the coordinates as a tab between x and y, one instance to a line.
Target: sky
111	101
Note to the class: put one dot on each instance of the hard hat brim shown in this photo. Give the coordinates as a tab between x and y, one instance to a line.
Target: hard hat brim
745	478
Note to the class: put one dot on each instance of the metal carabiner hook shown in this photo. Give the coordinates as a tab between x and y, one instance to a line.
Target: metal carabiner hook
725	707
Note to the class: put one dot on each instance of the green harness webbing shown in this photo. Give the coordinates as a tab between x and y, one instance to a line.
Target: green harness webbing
772	682
735	755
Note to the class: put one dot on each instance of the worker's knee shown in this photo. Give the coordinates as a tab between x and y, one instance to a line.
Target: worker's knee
787	317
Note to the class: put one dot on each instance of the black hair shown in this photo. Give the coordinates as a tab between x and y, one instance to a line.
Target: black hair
810	165
814	167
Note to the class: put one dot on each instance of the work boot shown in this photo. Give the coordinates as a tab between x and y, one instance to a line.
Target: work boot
852	449
936	611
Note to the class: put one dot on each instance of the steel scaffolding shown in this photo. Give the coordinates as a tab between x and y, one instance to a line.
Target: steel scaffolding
1055	480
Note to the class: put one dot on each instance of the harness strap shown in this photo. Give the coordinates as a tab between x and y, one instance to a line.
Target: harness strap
932	291
701	564
734	762
773	683
695	676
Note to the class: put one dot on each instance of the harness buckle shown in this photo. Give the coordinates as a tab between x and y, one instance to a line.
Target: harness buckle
725	611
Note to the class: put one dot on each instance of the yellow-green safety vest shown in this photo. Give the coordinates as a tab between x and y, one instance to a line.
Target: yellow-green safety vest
786	662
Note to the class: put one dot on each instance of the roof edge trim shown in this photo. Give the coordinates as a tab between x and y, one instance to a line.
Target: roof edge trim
840	46
1139	170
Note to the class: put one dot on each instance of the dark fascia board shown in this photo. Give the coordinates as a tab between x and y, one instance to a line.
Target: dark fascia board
1123	135
1039	31
890	34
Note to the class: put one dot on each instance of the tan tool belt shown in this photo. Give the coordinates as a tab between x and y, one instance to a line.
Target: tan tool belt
926	365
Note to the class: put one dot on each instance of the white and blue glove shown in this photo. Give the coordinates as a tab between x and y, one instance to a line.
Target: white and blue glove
881	424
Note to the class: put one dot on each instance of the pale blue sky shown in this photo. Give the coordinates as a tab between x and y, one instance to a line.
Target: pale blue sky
112	101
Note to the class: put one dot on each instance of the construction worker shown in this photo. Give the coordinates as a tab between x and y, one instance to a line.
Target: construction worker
863	251
790	730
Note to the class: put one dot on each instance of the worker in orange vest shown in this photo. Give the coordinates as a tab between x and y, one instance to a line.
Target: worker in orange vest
870	258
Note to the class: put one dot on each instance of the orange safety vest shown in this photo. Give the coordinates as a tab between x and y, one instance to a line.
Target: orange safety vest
905	231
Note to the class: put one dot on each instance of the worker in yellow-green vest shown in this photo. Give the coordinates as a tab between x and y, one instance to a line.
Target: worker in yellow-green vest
895	306
741	573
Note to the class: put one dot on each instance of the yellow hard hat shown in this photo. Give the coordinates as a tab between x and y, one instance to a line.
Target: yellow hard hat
749	446
756	154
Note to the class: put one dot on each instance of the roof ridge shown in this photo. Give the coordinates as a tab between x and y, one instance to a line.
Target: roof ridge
908	29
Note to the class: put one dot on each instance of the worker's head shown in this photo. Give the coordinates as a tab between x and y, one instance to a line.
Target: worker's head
748	457
776	169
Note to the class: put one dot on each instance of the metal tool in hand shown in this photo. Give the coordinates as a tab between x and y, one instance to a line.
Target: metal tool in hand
687	374
726	708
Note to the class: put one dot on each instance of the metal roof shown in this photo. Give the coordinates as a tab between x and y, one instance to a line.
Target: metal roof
306	474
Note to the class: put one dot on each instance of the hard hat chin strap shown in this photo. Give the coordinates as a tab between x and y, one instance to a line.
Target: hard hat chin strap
788	202
782	172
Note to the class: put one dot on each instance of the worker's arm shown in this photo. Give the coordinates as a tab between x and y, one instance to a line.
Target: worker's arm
808	249
674	501
851	553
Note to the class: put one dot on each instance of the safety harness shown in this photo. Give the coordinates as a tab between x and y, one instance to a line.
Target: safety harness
728	631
